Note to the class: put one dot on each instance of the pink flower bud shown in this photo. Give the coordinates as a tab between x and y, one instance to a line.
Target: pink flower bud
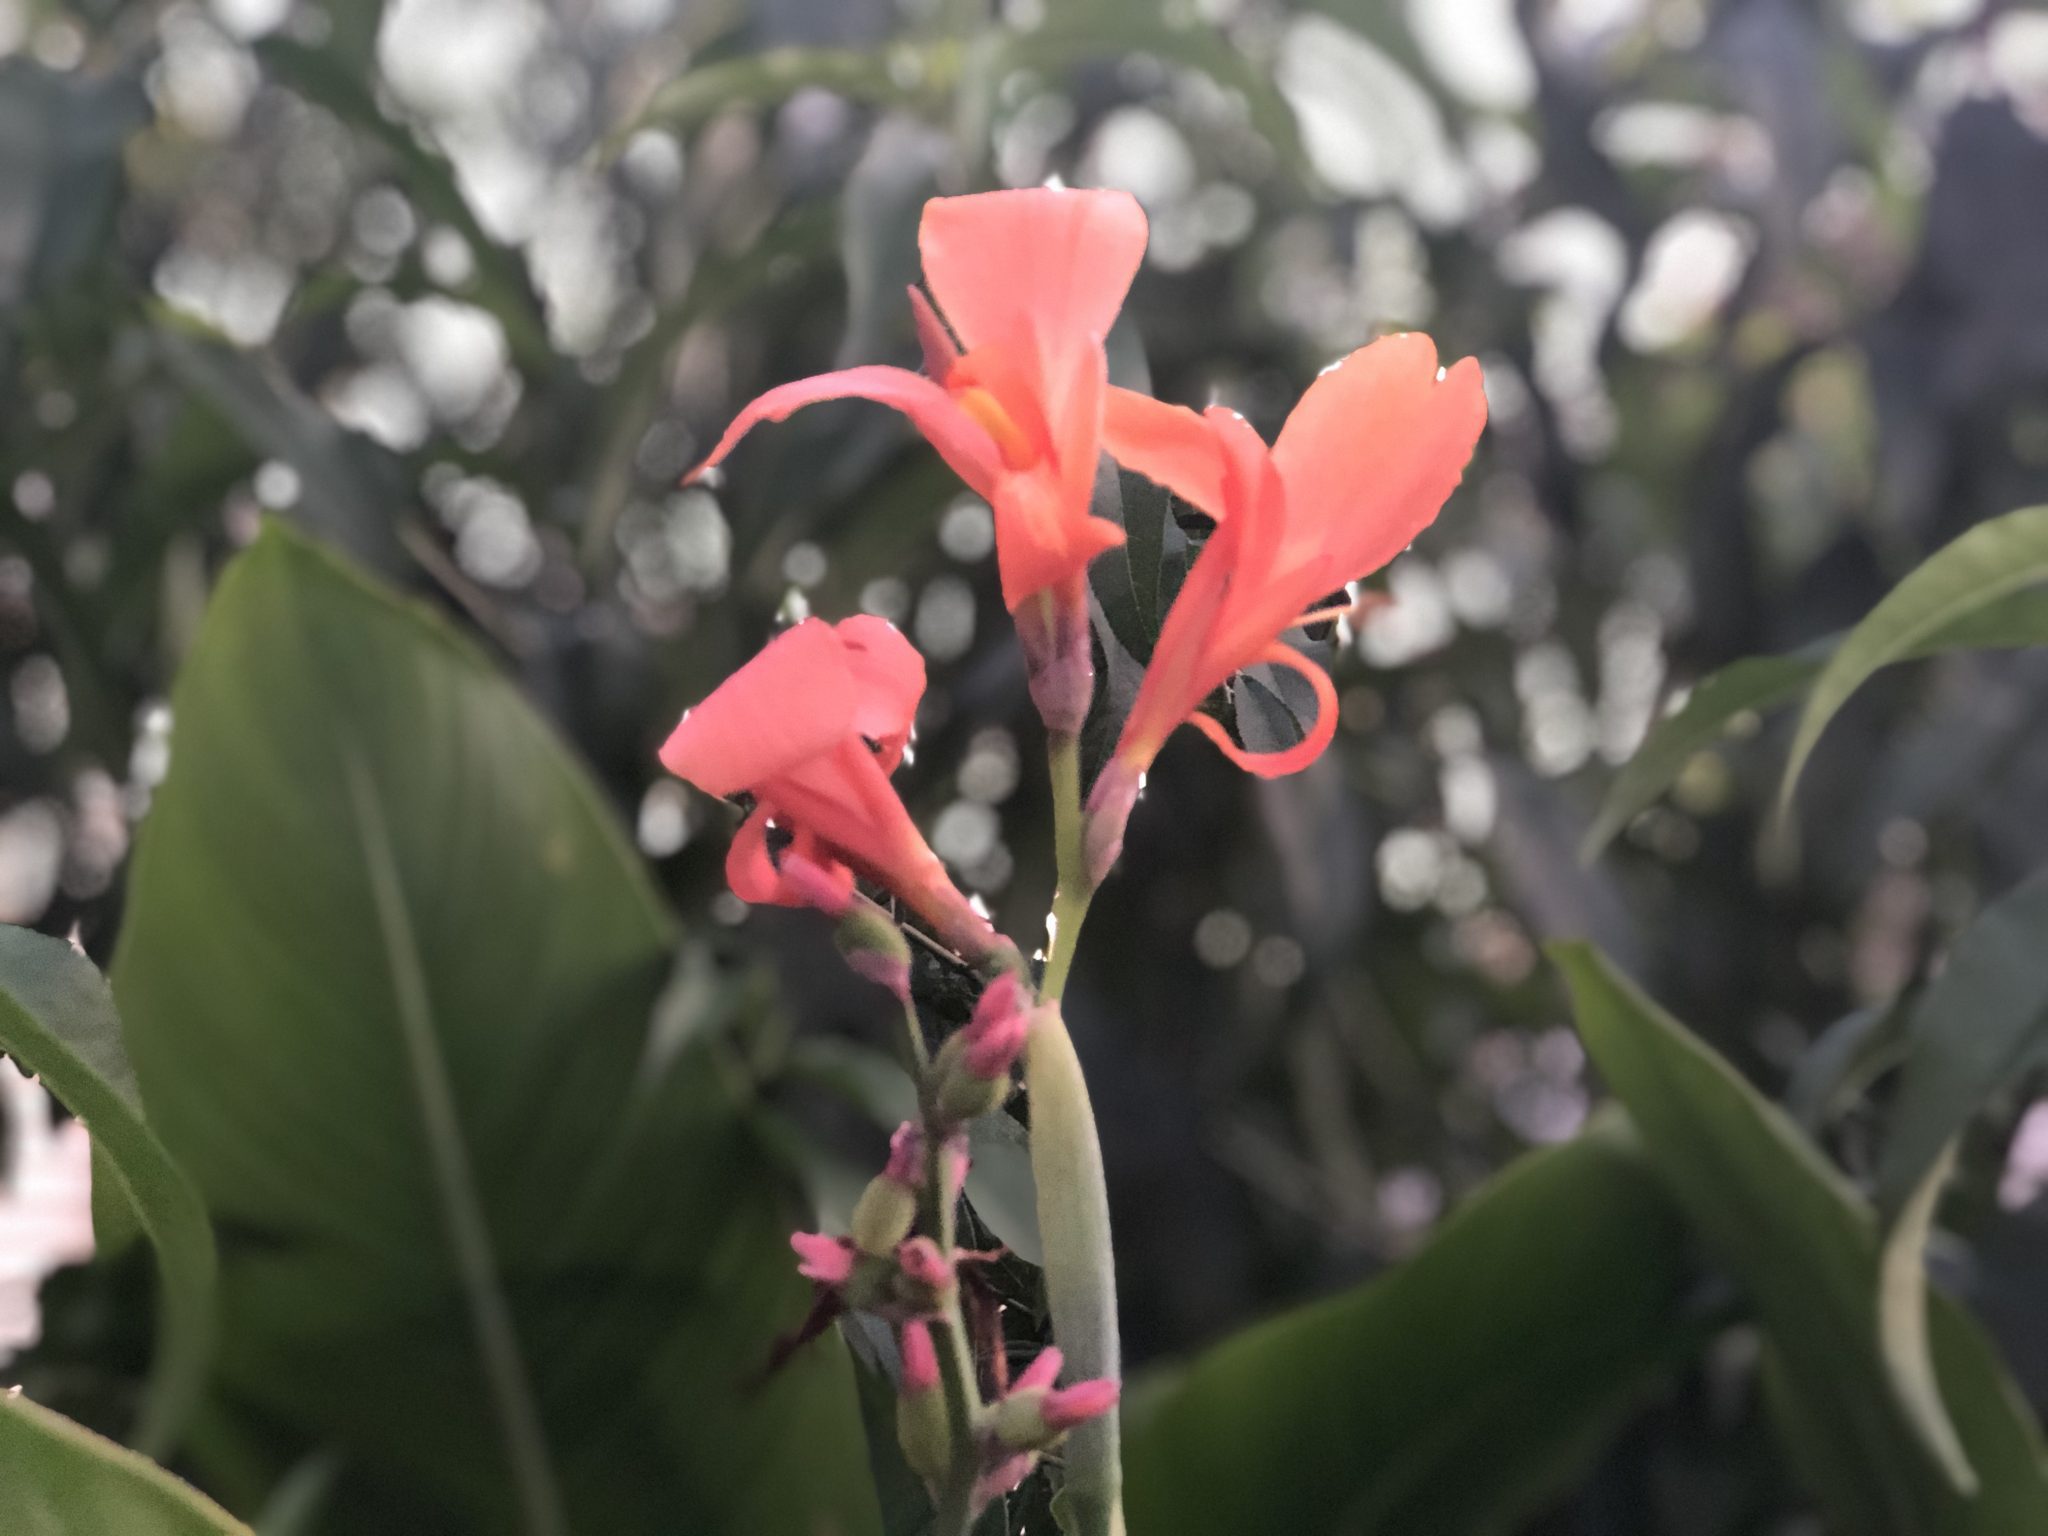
920	1359
1109	812
1041	1372
921	1263
995	1036
886	971
1084	1400
954	1163
1059	657
827	1260
906	1156
830	891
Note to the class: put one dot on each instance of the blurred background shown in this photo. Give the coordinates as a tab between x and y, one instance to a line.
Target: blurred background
463	286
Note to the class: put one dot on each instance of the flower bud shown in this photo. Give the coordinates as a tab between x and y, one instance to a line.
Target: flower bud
875	948
1109	811
1034	1413
973	1066
921	1424
1059	657
923	1277
887	1208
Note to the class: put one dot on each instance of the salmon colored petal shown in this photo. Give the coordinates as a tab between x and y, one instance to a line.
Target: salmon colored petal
888	676
1271	765
791	703
1370	454
1169	445
1057	260
1041	540
748	869
960	440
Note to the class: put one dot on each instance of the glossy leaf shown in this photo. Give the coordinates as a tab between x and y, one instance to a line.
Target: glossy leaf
389	970
1760	683
60	1479
1979	1023
1804	1247
57	1021
1991	562
1454	1394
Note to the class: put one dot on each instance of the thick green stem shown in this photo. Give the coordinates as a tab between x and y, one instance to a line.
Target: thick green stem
1080	1268
1070	860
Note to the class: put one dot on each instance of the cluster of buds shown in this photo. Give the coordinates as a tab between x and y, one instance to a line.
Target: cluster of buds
886	1266
1009	1435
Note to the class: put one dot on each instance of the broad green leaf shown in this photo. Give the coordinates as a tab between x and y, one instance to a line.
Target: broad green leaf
388	970
1754	684
1978	1024
57	1020
1992	561
60	1479
1759	683
1804	1247
354	491
1456	1393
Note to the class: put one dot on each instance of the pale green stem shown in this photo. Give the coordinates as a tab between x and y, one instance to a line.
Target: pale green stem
1080	1268
1070	861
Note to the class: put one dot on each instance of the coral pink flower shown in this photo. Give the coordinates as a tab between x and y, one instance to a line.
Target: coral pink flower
811	729
1029	282
1362	466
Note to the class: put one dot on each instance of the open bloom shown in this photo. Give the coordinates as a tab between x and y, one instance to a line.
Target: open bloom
810	730
1362	466
1028	283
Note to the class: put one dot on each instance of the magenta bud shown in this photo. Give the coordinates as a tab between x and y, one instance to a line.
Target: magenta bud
920	1359
921	1263
954	1162
827	1260
1109	812
1059	658
829	891
1043	1371
1084	1400
889	971
906	1156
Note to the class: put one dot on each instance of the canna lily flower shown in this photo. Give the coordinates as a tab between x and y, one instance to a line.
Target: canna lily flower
810	731
1029	283
1363	465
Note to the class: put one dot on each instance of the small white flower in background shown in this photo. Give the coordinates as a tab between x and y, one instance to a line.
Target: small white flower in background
45	1203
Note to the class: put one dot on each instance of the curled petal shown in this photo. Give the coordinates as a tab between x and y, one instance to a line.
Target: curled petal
749	870
1272	765
940	351
1055	260
960	440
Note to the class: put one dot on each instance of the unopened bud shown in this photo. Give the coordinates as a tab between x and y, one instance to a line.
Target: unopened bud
973	1066
875	948
830	890
923	1276
883	1216
1059	657
921	1424
1109	812
1034	1413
